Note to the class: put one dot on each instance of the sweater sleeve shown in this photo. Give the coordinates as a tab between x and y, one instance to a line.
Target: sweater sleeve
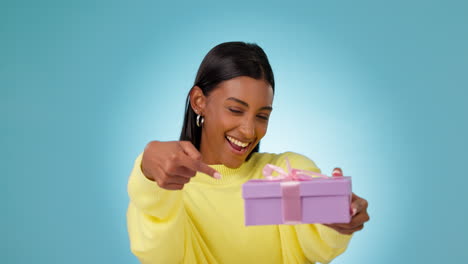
319	243
155	220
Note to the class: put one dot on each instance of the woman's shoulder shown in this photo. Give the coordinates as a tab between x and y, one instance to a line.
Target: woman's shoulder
297	160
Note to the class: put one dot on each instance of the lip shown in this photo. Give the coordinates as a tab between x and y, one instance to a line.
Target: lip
235	151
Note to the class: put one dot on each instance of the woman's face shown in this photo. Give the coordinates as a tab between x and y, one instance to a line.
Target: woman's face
236	116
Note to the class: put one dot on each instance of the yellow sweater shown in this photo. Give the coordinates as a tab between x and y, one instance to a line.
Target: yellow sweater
204	222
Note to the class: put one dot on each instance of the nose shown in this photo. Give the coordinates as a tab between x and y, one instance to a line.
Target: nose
247	128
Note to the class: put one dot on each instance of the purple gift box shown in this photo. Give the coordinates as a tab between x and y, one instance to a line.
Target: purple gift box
315	200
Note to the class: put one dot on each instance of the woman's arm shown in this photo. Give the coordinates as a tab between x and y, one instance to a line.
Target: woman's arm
320	243
156	217
155	220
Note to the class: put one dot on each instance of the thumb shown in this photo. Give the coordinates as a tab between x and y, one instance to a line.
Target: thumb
337	172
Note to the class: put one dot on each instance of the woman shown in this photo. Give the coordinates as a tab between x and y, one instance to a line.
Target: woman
185	196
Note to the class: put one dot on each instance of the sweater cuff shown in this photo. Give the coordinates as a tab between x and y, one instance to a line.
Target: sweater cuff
333	238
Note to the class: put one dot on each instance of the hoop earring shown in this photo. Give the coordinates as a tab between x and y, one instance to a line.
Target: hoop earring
200	122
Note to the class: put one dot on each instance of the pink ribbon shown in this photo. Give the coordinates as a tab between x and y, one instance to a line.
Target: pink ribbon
291	175
291	197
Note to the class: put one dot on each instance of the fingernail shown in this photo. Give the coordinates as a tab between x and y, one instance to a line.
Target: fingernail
217	175
337	172
354	211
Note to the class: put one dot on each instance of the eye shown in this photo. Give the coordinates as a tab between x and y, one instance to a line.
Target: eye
236	111
264	117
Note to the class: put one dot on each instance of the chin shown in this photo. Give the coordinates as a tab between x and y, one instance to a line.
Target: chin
233	163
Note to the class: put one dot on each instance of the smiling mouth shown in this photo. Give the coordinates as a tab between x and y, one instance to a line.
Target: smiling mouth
238	145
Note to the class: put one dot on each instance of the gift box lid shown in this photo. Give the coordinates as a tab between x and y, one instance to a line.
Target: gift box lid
315	187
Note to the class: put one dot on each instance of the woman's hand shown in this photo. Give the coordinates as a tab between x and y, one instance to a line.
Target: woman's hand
358	211
172	164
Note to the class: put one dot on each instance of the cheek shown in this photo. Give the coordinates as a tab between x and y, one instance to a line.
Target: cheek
219	122
261	130
228	123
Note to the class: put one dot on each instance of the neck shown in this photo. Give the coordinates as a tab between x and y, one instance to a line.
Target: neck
207	156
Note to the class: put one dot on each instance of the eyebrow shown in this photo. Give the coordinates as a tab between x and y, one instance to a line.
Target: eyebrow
247	105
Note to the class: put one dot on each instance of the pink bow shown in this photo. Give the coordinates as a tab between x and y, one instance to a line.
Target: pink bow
291	175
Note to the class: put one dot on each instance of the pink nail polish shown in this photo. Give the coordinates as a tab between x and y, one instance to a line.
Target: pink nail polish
217	175
354	211
337	172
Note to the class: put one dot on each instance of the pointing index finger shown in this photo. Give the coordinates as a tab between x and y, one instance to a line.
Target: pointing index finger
202	167
197	164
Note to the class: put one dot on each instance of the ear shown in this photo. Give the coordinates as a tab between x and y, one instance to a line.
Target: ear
197	100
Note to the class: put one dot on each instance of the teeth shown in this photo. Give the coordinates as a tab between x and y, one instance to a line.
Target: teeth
237	142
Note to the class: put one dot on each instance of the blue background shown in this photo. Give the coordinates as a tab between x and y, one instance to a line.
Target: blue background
376	87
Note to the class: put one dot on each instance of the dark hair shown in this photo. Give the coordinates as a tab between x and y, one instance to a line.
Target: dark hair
225	61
